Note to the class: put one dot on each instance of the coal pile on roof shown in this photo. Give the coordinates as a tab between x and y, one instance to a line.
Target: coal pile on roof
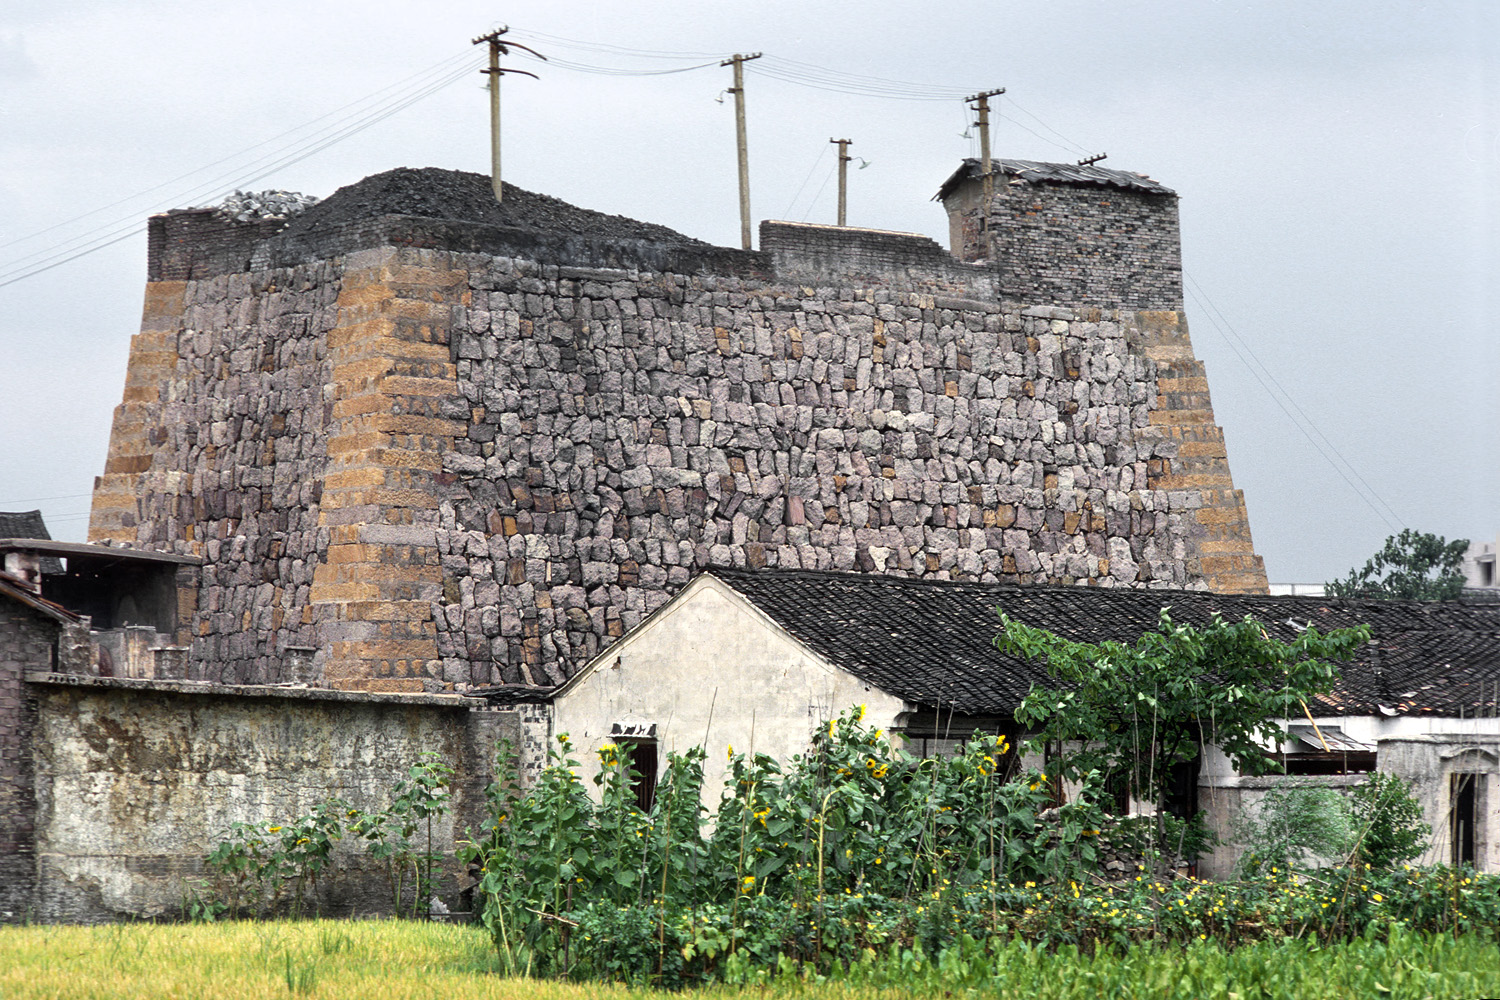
457	195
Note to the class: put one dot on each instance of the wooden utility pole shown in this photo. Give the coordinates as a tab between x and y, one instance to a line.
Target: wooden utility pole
497	49
981	102
738	90
844	159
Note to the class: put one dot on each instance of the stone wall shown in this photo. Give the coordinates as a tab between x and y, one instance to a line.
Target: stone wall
136	781
444	467
27	640
1073	244
220	449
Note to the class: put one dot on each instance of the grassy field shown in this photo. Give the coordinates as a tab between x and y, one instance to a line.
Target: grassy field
382	959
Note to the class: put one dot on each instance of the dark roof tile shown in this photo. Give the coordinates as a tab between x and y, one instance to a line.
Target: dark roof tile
1055	173
931	642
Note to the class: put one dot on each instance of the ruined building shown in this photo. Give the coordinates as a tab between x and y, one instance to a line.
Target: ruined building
422	440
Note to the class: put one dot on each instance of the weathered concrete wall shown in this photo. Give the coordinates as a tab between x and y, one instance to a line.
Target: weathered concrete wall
1429	764
27	639
136	781
711	670
444	468
1225	799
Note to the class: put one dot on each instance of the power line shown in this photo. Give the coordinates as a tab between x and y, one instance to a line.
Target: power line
622	71
821	188
1235	344
1011	102
50	257
65	496
465	56
792	205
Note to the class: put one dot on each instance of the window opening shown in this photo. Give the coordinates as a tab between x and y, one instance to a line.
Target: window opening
640	759
1463	814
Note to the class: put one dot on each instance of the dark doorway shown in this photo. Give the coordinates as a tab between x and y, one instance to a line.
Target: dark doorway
1462	789
640	758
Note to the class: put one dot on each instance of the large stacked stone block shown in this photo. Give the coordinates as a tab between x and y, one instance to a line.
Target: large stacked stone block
443	455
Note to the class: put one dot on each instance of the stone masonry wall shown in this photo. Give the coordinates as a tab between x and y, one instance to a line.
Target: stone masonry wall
442	468
1074	244
26	644
220	449
630	429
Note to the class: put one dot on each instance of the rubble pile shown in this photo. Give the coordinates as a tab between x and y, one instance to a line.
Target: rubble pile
252	206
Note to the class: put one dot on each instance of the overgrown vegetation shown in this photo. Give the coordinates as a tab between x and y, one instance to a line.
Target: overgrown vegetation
1132	712
271	868
856	852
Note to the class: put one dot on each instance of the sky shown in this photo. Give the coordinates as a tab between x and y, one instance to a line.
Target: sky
1338	165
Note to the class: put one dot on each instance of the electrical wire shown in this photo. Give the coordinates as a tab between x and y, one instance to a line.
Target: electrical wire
792	205
65	496
616	70
821	188
575	43
1011	103
465	56
1367	492
69	250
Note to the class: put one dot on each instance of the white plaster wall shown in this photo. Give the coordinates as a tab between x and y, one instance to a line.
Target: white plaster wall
1428	763
709	650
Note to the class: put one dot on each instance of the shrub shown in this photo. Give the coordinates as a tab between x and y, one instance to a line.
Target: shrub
1389	825
1295	826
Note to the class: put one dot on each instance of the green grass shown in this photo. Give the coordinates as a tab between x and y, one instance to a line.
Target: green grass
385	959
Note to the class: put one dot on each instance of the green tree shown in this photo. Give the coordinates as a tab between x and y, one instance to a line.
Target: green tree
1389	823
1413	565
1138	709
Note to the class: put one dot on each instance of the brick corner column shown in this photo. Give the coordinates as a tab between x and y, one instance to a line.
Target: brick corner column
372	592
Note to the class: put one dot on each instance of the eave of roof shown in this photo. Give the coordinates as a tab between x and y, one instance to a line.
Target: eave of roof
16	590
930	642
102	553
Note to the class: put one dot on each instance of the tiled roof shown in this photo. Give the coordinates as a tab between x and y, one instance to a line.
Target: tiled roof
29	524
16	590
1055	173
930	642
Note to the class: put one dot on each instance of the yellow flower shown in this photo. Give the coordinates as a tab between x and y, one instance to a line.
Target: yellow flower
859	714
830	727
1377	897
730	752
273	829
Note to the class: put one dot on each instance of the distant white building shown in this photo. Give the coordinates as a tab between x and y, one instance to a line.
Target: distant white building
1479	566
1299	590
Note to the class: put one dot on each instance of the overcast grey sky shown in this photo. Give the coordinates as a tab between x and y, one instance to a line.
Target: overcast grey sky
1338	163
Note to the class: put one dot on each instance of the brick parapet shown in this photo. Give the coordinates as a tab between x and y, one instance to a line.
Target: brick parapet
396	411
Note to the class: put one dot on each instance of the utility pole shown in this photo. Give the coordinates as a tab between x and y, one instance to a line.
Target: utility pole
497	49
844	159
981	102
738	90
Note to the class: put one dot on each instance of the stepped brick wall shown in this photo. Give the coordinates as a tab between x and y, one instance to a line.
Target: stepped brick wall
449	455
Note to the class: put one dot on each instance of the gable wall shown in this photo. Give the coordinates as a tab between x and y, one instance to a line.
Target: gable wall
710	652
